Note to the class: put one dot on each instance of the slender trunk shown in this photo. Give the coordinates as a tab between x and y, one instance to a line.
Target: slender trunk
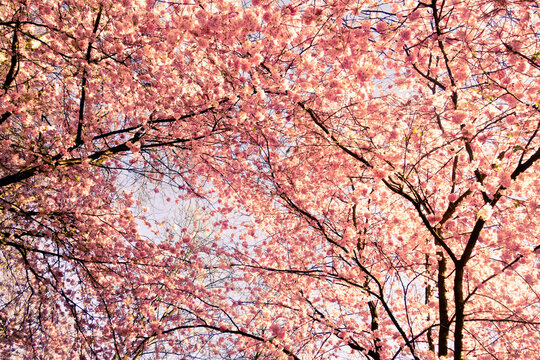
375	326
444	328
428	297
460	311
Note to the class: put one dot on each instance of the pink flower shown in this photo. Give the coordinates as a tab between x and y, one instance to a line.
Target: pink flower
381	27
277	331
405	34
458	117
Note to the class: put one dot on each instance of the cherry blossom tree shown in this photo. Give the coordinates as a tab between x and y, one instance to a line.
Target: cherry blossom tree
368	169
95	94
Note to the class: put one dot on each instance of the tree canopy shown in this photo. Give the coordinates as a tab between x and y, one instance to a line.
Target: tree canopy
365	174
